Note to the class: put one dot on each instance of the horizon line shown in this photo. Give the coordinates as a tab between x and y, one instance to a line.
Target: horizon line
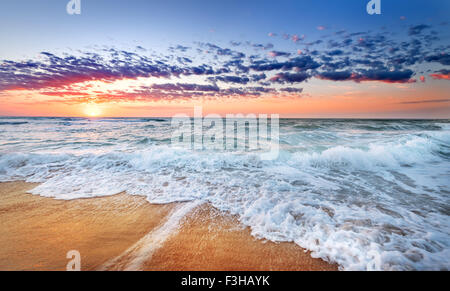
165	117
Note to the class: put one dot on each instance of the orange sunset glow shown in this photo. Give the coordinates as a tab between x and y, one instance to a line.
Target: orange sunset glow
322	99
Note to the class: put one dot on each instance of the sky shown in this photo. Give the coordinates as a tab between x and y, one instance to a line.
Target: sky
305	59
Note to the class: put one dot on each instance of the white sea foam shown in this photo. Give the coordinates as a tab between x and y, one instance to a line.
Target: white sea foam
135	257
368	195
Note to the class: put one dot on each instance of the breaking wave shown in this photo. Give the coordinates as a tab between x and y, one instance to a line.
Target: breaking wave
365	199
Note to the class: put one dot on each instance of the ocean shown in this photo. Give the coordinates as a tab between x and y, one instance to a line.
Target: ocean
365	194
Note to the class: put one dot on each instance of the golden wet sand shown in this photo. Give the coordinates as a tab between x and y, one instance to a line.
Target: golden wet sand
212	241
37	233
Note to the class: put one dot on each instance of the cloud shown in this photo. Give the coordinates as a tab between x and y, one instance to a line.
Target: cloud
258	77
441	75
185	87
292	90
385	76
417	29
295	38
301	63
335	53
140	48
442	58
335	76
179	48
290	78
222	51
231	79
65	93
56	71
426	101
243	69
266	46
275	54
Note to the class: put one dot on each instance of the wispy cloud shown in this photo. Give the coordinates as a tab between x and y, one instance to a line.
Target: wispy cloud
426	101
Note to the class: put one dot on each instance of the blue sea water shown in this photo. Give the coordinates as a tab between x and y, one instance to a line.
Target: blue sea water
366	194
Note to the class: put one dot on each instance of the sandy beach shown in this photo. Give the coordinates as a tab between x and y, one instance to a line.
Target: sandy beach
124	232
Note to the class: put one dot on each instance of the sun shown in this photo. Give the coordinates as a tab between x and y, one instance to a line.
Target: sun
92	110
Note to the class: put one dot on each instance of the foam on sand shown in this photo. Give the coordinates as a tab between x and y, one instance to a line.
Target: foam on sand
126	232
134	258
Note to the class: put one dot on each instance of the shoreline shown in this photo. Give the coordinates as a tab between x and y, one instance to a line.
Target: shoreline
127	232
